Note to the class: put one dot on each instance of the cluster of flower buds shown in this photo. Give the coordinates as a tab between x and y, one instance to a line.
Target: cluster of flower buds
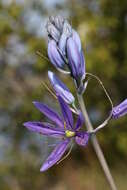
65	50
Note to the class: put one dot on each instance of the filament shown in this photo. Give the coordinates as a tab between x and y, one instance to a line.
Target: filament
68	153
49	90
64	125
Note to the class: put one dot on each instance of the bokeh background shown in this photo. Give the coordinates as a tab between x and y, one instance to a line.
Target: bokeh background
102	25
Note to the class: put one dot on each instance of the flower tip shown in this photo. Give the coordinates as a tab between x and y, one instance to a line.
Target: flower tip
119	110
50	74
35	103
43	168
25	124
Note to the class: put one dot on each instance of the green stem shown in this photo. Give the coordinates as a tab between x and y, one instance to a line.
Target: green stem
96	145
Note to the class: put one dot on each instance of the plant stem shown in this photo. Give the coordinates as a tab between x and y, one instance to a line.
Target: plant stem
96	145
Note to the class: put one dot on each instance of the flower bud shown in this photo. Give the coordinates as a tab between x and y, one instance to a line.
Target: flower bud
54	55
75	59
53	32
67	32
60	88
120	110
57	21
77	40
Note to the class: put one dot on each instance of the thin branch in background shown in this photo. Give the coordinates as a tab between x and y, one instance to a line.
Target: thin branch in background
100	82
110	100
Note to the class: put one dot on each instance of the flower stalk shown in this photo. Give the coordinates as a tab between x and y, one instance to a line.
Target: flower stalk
96	145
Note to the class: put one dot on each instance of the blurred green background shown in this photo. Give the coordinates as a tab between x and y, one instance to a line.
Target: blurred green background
102	25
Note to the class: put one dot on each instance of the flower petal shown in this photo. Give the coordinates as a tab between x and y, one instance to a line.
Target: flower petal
82	138
54	55
67	114
57	21
79	122
73	57
66	33
62	43
55	156
76	59
60	88
82	65
51	114
53	31
77	40
120	110
44	129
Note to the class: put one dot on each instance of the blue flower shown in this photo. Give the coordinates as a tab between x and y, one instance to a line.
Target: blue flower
64	129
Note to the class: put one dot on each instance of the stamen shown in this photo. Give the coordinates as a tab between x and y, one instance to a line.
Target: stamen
49	90
68	153
69	134
64	125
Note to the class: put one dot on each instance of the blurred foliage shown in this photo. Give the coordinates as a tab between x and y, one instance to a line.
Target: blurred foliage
102	26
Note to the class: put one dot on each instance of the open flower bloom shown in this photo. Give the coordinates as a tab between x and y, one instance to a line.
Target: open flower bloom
60	88
120	110
64	129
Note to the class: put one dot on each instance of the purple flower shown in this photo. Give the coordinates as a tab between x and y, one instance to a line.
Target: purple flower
64	129
120	110
60	88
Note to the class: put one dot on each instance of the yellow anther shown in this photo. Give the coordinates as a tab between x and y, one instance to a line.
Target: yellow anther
69	133
64	125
